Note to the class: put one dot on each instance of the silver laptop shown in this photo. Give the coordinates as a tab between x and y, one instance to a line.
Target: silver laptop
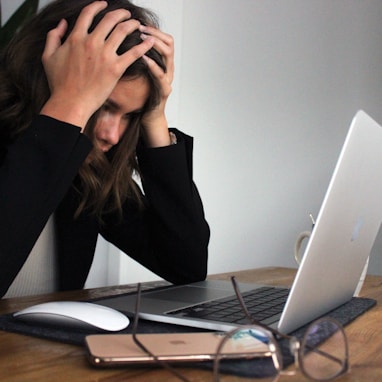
341	241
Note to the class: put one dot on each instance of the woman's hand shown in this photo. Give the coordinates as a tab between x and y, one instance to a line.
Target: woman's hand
155	122
83	71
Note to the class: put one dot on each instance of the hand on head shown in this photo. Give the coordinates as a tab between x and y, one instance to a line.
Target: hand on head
84	69
152	121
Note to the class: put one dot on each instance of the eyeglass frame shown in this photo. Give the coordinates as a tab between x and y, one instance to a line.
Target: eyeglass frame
295	345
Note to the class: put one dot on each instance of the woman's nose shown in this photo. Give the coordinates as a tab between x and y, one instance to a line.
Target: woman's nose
112	133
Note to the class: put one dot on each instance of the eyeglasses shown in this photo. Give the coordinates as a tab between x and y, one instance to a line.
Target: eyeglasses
321	355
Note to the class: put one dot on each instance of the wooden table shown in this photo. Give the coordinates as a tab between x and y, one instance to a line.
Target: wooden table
24	358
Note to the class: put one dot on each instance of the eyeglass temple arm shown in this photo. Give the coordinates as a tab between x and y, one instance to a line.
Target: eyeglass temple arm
135	324
162	363
248	314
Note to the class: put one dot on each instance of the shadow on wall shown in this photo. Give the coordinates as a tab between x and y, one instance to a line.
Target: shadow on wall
26	10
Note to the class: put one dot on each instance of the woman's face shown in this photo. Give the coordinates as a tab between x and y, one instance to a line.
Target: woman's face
128	98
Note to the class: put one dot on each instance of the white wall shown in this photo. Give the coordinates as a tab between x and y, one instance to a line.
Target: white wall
268	89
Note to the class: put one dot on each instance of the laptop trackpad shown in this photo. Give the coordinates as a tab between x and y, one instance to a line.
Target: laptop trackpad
188	294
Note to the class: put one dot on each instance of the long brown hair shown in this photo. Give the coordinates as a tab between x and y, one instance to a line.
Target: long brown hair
106	180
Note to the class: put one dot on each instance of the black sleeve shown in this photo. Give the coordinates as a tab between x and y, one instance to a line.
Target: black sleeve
35	172
170	235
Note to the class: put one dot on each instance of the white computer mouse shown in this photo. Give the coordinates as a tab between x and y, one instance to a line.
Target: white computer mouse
74	314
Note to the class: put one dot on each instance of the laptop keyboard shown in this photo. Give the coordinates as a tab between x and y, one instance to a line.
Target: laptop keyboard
265	305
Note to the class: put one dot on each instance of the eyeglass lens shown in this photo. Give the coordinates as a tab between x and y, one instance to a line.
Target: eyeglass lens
324	352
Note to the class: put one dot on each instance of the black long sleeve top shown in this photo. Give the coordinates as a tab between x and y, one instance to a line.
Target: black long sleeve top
169	235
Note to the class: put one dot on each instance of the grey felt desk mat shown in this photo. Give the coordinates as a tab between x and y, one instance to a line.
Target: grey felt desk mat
345	314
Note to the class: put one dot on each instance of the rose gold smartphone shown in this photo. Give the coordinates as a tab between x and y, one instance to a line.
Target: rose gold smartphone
119	349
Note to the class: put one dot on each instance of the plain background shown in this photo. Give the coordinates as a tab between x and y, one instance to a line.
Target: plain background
268	89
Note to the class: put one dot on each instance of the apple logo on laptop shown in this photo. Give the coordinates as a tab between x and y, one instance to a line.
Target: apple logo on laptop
357	228
178	342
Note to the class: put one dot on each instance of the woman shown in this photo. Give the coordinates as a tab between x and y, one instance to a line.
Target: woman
83	89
